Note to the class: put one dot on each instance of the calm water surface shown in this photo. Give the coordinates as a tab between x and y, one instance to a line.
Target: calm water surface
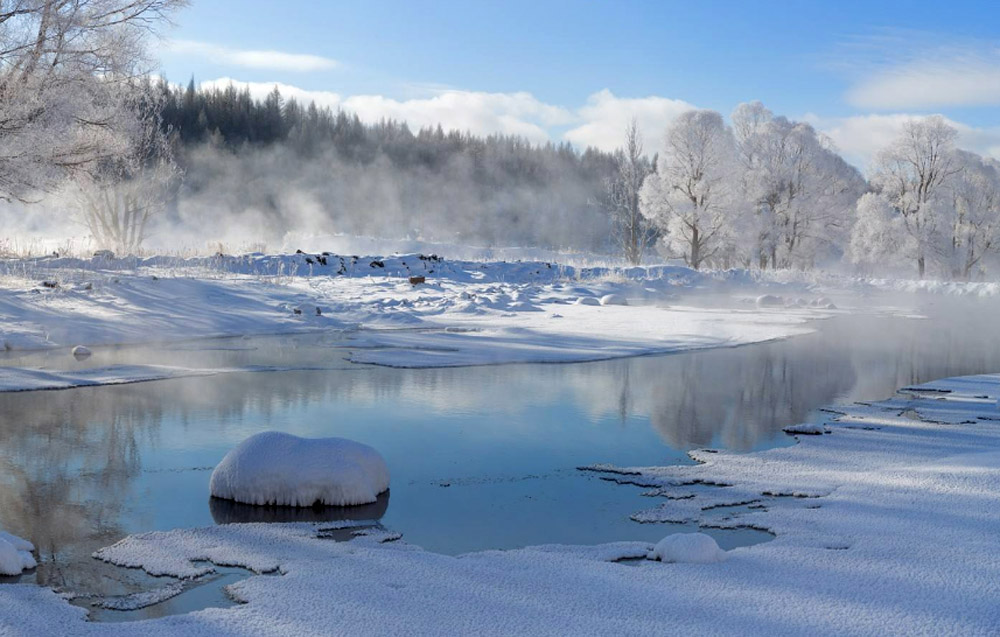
480	458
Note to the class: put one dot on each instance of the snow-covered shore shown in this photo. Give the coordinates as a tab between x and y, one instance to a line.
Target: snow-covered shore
887	525
461	313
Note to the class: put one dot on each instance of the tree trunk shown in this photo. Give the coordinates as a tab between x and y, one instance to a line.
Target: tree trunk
695	249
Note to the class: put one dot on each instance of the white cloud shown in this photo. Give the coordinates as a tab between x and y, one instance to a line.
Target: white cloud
264	60
858	138
481	113
604	117
960	81
906	69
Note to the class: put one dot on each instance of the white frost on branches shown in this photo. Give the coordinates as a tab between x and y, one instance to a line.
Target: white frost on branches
63	64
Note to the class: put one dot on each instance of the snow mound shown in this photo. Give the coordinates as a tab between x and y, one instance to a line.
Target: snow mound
276	468
80	352
613	299
15	554
587	300
693	548
770	300
823	303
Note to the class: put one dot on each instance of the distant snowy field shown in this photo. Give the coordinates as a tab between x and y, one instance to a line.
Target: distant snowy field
462	313
886	525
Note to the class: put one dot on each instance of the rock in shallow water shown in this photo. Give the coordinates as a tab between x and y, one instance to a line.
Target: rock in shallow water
275	468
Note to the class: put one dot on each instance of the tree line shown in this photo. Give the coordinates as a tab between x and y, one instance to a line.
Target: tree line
766	192
381	178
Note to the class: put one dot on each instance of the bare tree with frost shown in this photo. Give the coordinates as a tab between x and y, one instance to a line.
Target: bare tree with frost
800	190
913	173
62	67
876	234
690	197
973	229
119	196
633	232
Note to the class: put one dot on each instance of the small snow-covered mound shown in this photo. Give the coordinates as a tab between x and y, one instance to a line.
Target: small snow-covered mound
587	300
694	548
613	299
15	554
80	352
770	300
823	303
281	469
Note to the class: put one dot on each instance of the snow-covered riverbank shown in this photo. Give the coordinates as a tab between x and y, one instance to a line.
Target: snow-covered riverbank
886	525
460	313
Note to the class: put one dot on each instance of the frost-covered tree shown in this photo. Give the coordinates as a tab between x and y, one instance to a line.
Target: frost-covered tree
633	232
62	63
973	227
913	173
877	234
119	196
690	196
800	190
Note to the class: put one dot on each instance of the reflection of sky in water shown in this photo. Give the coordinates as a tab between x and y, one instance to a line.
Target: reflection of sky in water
81	468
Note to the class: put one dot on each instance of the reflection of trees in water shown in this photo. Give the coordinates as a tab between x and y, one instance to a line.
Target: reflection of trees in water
739	396
960	339
66	466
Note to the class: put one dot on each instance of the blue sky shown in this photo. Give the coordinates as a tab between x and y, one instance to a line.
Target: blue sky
548	69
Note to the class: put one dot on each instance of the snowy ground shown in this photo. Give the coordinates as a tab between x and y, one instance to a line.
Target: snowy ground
885	525
464	313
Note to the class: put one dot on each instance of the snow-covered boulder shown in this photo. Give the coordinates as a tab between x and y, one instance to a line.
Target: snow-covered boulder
80	352
281	469
15	554
613	299
770	300
587	300
694	548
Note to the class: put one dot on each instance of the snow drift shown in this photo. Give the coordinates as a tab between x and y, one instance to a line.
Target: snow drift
694	548
15	554
275	468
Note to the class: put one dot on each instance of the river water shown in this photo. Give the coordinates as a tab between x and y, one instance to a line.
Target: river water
481	458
